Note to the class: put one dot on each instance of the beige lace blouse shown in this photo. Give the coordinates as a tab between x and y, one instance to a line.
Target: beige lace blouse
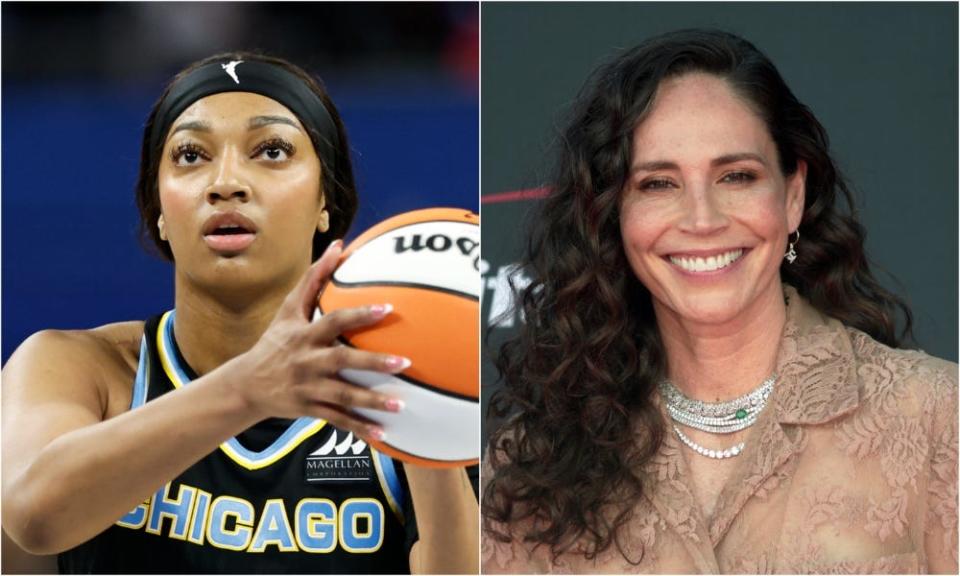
852	468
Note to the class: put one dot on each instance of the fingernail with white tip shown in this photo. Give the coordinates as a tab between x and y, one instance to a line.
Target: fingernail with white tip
380	310
397	363
394	404
331	246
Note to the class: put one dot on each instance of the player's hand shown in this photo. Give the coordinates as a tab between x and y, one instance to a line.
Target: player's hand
292	370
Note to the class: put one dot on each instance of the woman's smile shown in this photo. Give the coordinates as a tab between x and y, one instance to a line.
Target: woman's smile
710	263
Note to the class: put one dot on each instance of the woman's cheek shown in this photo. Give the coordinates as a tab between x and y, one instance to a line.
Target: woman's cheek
300	187
639	224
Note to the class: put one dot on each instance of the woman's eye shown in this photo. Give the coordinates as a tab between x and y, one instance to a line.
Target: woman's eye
187	155
656	184
274	153
274	150
738	178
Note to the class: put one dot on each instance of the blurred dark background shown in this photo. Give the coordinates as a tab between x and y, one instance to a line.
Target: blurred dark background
78	80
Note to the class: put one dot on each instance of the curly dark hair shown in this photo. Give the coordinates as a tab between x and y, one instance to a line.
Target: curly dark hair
338	185
578	377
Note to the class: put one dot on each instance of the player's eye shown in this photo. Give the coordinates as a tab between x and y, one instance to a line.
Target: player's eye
188	154
274	150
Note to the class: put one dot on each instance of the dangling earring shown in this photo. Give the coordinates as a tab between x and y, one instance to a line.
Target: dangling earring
791	254
161	228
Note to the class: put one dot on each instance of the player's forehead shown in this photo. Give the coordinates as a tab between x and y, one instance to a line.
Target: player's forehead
231	110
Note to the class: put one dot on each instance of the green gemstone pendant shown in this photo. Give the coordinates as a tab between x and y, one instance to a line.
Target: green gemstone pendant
741	414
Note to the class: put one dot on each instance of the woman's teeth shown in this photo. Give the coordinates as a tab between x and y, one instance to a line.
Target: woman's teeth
709	264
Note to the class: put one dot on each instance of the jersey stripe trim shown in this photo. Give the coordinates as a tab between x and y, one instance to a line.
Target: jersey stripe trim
389	482
142	382
296	434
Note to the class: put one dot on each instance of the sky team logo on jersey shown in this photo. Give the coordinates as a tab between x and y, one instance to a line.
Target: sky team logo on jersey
341	458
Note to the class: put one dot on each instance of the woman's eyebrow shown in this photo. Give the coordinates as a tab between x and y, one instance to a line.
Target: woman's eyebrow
196	125
261	121
655	165
731	158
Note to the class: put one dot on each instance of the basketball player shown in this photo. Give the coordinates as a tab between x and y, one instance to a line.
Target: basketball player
217	437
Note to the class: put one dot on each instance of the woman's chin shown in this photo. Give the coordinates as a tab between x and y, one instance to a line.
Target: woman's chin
235	276
707	309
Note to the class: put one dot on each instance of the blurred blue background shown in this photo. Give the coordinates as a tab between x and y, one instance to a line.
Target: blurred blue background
79	80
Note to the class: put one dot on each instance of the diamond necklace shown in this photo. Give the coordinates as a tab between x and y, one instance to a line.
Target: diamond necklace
715	417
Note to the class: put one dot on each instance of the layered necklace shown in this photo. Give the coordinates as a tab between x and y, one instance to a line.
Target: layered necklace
715	417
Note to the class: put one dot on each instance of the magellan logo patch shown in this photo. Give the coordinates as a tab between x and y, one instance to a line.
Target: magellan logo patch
345	460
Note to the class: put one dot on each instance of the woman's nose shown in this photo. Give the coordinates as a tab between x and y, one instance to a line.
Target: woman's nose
703	211
230	181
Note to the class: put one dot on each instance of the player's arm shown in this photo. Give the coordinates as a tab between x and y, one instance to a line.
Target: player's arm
15	560
69	473
448	521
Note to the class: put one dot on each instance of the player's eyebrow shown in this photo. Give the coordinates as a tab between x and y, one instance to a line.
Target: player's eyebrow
252	124
195	125
261	121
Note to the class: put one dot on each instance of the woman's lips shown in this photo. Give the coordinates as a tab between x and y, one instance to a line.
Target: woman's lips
229	243
228	220
229	232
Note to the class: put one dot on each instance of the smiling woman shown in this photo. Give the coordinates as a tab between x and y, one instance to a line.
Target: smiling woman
200	440
709	378
707	206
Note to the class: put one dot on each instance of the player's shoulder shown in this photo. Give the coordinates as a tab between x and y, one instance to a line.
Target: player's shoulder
100	350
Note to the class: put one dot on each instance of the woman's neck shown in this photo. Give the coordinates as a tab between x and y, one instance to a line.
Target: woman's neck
212	328
719	362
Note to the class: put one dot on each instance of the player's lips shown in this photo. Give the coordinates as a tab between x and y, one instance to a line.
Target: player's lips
229	232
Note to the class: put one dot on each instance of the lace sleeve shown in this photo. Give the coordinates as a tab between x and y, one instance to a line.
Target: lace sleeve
941	523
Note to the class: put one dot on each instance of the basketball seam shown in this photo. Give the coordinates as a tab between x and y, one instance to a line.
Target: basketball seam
464	461
429	287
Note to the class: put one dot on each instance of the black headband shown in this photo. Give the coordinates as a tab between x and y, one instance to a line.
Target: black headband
254	76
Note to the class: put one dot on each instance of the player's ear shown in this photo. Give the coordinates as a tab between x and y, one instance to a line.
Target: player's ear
323	223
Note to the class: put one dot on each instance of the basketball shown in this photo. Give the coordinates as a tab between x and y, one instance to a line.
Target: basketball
426	264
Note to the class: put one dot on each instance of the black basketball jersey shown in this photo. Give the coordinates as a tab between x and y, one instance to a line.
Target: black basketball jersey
286	496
